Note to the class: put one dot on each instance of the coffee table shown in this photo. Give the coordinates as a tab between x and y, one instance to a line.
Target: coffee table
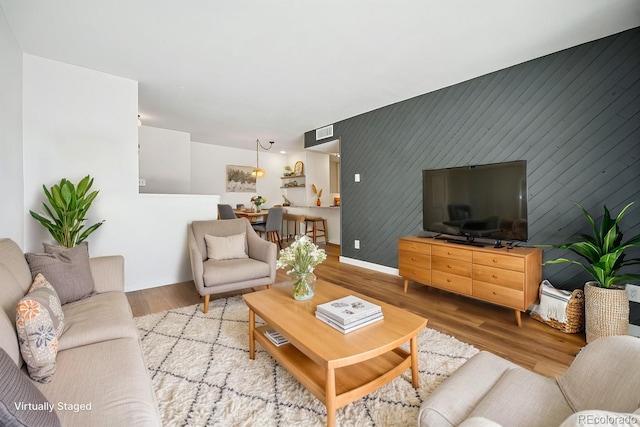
337	368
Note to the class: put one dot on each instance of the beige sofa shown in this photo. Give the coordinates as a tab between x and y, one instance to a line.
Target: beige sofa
101	377
603	381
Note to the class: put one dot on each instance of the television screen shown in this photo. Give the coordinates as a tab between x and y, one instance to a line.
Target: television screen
483	201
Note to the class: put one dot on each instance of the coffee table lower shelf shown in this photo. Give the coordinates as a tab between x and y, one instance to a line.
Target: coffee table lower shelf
337	387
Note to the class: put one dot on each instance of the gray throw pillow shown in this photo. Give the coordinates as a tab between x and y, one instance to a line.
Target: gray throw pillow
67	269
21	403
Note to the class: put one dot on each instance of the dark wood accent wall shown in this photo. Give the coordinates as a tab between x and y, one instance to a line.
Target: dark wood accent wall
573	115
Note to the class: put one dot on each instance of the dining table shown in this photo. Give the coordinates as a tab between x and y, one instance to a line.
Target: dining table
253	217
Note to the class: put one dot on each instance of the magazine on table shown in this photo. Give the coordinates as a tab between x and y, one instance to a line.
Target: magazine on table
275	337
352	326
348	309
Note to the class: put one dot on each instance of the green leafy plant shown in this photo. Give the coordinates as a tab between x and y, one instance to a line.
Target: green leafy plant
67	210
603	251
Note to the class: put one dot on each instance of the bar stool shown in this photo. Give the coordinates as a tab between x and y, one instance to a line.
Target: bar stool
287	218
313	230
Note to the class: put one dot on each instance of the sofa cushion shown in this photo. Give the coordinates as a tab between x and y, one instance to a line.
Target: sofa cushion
228	247
103	384
39	323
523	398
607	361
234	270
99	318
21	403
52	304
67	269
484	369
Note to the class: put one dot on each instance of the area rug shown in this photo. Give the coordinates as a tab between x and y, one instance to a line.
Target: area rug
200	367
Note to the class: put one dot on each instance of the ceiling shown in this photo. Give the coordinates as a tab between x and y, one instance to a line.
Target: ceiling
229	72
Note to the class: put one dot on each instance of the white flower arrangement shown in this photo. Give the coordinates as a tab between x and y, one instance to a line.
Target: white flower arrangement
301	256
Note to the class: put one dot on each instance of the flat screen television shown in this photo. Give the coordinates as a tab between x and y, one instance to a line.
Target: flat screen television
481	201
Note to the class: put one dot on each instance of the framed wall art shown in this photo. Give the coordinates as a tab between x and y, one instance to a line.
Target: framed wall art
239	179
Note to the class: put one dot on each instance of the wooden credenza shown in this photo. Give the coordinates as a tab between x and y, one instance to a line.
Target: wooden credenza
506	277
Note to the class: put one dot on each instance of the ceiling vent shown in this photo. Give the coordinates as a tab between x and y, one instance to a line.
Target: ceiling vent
324	132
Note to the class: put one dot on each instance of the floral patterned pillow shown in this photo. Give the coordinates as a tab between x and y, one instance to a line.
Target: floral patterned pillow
39	323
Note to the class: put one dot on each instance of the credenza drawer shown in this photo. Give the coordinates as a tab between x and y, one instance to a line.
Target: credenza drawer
451	282
452	253
417	274
407	245
419	260
499	277
499	295
451	266
499	261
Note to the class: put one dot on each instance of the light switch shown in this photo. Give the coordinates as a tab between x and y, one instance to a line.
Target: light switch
357	177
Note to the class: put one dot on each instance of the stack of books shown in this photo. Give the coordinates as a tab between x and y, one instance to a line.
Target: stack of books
349	313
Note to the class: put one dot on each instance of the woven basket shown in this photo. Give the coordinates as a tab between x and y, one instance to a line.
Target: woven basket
574	311
606	313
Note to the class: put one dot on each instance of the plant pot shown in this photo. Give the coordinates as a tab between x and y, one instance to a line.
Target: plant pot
606	311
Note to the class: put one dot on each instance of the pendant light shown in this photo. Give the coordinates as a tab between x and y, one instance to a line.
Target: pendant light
258	172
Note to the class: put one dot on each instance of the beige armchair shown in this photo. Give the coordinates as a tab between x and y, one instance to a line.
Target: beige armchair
222	260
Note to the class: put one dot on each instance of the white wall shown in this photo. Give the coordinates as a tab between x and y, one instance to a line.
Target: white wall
165	160
11	165
78	122
209	165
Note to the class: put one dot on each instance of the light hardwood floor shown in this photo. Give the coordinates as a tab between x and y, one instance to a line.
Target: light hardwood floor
534	346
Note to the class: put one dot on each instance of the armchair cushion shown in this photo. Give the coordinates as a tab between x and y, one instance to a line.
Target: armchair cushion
229	247
233	270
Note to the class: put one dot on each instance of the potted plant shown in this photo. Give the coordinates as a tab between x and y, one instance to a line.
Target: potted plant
603	255
67	212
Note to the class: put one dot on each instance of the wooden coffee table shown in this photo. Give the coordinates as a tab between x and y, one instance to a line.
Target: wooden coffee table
337	368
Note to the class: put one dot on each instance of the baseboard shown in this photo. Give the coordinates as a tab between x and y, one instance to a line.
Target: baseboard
370	265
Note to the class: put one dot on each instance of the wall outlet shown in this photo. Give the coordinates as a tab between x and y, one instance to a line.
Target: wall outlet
142	182
356	244
356	177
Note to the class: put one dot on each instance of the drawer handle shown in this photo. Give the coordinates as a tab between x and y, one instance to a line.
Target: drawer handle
449	266
494	292
494	276
449	280
449	253
495	261
413	259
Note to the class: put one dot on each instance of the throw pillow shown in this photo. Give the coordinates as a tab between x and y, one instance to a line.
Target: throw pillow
67	269
21	403
39	323
230	247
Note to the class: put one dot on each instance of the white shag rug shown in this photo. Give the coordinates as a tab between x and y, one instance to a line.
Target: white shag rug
202	374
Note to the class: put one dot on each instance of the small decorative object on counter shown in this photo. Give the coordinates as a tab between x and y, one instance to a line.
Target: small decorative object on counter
301	257
318	194
287	171
336	201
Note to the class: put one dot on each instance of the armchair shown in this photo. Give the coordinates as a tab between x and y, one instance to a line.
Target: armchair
219	263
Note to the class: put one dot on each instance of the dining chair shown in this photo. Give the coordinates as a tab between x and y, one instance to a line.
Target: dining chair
272	226
226	212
